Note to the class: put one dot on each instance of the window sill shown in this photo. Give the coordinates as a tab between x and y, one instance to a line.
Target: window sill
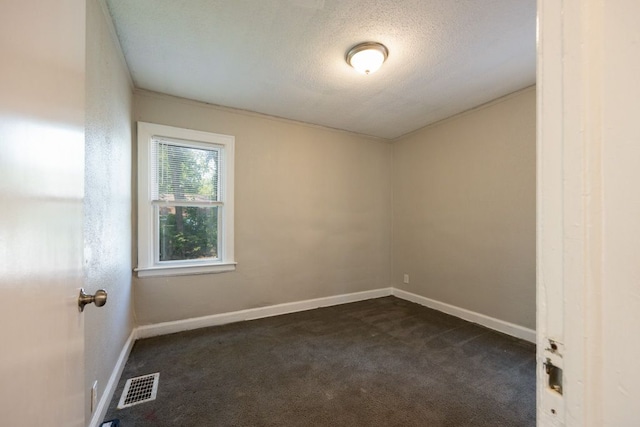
184	270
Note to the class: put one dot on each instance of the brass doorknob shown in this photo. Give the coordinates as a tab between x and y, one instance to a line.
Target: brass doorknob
99	299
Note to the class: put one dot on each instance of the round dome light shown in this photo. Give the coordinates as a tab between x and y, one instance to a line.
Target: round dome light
367	57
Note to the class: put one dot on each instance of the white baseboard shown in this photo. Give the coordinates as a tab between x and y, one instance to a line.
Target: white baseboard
110	389
293	307
256	313
481	319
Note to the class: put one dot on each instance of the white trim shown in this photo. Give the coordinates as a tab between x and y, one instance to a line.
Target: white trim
471	316
189	270
256	313
110	389
164	328
201	204
148	266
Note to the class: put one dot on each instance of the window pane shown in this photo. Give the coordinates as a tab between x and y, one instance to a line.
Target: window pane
185	173
188	233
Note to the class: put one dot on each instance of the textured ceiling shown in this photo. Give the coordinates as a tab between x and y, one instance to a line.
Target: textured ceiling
286	57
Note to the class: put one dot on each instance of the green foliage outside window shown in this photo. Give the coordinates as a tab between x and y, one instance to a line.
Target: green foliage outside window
198	237
187	175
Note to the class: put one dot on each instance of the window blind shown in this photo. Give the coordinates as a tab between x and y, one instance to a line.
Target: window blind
184	173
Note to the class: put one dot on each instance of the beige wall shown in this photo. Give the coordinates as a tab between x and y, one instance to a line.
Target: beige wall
464	210
107	203
312	214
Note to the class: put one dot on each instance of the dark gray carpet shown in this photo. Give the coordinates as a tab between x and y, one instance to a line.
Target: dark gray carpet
381	362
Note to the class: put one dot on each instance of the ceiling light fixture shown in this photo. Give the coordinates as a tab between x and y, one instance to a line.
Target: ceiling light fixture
367	57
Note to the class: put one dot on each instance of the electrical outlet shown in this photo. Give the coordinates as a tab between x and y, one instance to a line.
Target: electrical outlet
406	279
94	396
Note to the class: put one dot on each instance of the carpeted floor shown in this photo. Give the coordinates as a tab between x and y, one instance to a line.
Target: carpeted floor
381	362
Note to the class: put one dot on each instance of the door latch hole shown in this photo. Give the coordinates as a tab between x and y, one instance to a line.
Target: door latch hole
554	375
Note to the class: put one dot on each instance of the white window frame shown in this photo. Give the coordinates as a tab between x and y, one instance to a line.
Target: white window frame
148	265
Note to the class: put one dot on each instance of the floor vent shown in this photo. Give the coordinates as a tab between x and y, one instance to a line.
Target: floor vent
139	390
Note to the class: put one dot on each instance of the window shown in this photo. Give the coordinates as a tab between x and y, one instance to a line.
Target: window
185	201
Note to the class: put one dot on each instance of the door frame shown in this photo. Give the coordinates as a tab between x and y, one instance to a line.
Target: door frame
569	211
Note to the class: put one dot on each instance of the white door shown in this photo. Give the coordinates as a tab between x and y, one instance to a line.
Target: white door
42	46
569	209
550	209
589	211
